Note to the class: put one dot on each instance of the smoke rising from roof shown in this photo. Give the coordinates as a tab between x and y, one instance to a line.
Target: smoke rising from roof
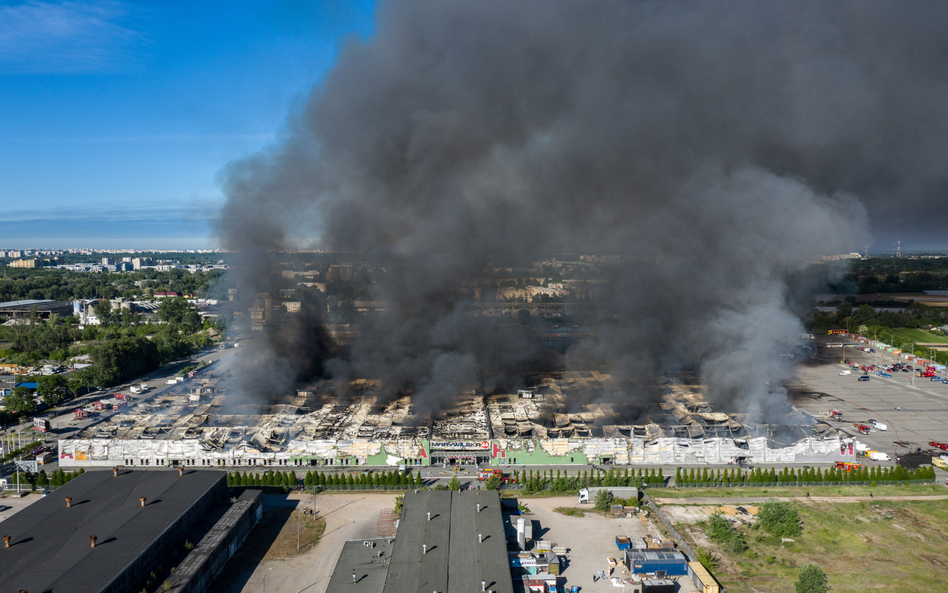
722	145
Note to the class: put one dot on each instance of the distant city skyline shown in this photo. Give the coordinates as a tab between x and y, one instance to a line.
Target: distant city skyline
119	116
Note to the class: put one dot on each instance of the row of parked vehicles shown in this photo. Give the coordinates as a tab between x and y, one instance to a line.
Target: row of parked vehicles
886	371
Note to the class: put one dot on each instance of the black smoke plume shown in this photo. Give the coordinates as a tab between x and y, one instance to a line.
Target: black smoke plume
719	146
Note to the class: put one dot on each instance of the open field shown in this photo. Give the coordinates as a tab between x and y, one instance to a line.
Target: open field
917	335
896	546
798	491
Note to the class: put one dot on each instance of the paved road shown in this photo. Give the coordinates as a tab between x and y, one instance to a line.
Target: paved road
804	499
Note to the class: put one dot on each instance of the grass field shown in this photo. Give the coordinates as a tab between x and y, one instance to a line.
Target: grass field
896	546
799	491
916	335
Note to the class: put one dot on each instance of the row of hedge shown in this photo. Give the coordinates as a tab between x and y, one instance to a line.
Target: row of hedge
789	476
373	480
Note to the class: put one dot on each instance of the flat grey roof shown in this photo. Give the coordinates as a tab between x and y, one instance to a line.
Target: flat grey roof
455	561
25	303
50	550
368	562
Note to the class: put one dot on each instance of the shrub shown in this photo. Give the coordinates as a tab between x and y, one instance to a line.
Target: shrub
720	530
603	500
707	559
812	580
779	518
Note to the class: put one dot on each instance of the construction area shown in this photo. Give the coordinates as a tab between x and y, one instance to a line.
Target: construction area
197	423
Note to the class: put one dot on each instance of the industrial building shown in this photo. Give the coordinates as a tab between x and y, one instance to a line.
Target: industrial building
103	531
40	307
194	424
448	542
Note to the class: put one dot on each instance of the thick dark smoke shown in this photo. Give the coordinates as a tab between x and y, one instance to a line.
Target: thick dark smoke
722	145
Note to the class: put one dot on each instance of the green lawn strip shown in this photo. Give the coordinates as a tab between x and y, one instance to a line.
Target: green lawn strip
885	545
798	491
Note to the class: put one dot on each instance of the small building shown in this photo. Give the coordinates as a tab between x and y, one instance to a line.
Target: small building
658	586
674	563
702	579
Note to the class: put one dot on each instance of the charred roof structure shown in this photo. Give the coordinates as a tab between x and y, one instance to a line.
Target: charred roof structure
195	424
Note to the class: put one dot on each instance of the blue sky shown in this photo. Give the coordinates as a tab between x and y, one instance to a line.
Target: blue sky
118	116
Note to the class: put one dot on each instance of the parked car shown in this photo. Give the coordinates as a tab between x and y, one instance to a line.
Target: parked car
864	378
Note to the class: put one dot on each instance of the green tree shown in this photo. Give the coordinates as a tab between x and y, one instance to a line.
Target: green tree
53	389
603	500
173	310
493	483
454	483
812	580
103	310
20	401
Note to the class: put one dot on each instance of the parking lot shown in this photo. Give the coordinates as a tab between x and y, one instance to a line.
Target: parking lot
923	413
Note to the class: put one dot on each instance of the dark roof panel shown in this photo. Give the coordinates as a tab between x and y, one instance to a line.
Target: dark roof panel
51	551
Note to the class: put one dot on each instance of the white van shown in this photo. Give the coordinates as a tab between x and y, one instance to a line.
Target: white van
879	456
845	372
879	425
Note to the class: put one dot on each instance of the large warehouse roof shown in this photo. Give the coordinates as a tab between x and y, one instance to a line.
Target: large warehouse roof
43	306
447	542
455	559
50	548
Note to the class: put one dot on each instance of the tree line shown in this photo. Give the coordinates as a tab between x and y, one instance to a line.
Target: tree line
66	285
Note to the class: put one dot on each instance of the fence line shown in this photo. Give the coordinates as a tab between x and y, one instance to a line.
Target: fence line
682	545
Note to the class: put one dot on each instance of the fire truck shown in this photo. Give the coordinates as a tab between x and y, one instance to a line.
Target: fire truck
103	404
835	415
861	428
942	446
486	474
42	424
846	465
80	413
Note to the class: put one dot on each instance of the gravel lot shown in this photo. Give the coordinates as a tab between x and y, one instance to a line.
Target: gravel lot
590	540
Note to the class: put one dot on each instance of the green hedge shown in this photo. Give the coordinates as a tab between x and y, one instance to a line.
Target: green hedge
788	476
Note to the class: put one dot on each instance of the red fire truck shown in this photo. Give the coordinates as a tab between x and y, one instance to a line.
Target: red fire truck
846	465
861	428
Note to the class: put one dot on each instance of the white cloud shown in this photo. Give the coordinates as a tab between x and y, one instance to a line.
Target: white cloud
65	37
